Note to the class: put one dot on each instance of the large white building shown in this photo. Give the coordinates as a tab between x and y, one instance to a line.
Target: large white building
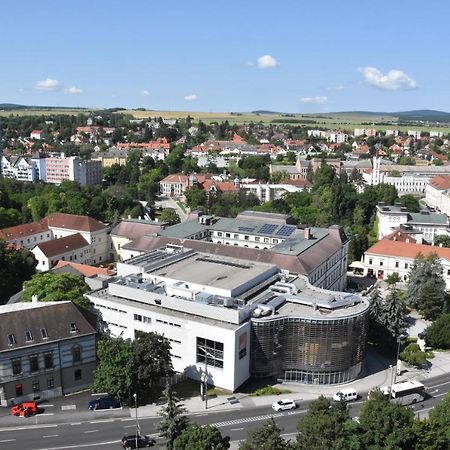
437	194
214	309
387	257
425	224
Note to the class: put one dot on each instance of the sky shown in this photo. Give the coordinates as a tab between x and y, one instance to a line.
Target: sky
294	56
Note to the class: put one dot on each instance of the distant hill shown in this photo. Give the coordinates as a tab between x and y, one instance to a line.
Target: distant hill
8	106
13	106
420	114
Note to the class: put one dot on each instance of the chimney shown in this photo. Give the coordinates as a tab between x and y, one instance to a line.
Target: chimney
307	233
34	299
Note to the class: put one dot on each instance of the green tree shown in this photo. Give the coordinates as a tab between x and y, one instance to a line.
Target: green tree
438	333
170	216
323	425
114	372
440	417
394	314
16	266
268	437
429	436
393	279
413	355
426	289
324	176
151	361
173	421
443	240
385	425
196	437
410	202
56	287
196	198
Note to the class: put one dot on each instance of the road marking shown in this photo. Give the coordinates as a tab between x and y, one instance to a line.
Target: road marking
46	414
236	429
440	395
31	427
130	426
51	435
82	445
44	405
91	431
102	421
8	440
127	420
199	414
437	385
75	423
68	407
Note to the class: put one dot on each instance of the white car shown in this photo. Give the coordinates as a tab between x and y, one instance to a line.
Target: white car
284	404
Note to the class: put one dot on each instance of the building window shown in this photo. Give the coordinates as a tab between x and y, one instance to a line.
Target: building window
50	383
44	333
247	238
236	236
73	328
77	374
227	235
210	352
28	336
381	262
11	339
266	239
76	354
257	238
138	317
406	265
35	385
16	366
370	260
397	264
219	233
34	363
275	241
48	360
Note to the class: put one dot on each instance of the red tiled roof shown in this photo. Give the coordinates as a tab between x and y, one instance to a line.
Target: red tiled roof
73	222
20	231
87	271
405	250
400	236
175	178
441	182
63	245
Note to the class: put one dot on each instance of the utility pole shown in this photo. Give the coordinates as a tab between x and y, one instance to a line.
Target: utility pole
137	423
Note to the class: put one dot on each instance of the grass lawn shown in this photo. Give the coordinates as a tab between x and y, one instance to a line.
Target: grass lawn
190	388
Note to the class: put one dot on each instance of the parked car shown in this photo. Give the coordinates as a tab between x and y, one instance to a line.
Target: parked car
142	441
284	404
105	402
25	409
347	395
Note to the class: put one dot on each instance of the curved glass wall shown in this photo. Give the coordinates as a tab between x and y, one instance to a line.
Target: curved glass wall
309	350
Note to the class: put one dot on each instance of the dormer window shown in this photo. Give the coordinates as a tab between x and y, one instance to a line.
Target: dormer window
28	336
73	327
12	339
44	333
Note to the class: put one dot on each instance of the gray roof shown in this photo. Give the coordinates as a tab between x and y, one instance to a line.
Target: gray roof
55	317
134	228
184	229
283	168
428	218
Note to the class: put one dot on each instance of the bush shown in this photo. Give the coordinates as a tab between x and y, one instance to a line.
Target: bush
269	390
438	333
413	355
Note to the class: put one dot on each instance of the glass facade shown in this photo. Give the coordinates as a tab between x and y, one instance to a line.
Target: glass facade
312	351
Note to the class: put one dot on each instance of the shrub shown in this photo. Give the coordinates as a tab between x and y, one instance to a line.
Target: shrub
438	333
413	355
269	390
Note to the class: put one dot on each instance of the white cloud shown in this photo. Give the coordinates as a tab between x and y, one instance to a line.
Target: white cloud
337	87
394	80
318	100
191	97
49	84
145	92
267	62
73	90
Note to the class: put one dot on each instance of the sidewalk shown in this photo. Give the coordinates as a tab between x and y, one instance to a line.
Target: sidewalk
377	368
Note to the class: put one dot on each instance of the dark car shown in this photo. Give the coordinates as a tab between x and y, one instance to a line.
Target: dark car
106	402
142	441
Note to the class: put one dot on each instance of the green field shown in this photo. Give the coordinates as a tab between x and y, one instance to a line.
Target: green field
346	121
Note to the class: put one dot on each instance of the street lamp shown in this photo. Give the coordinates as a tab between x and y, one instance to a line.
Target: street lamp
137	423
205	375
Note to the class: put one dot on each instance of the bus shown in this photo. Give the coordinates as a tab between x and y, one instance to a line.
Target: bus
405	392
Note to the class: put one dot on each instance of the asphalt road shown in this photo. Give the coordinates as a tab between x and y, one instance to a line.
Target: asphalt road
106	432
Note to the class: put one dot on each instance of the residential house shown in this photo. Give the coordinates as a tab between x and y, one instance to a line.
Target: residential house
46	350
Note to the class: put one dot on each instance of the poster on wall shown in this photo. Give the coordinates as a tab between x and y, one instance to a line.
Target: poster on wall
242	345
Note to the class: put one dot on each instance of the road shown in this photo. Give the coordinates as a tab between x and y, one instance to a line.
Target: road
105	432
167	202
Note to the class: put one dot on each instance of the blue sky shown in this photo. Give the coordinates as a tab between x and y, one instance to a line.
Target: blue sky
204	55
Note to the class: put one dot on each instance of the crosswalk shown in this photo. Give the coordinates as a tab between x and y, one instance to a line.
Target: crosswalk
228	423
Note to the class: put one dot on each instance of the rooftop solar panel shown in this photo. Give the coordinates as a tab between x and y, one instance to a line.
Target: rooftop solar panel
268	228
285	230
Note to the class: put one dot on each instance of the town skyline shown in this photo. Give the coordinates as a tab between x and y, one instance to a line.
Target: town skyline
237	57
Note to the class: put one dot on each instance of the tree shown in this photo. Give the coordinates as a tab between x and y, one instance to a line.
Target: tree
394	315
173	421
440	417
438	333
151	361
16	266
268	437
393	279
385	425
195	198
443	240
56	287
323	425
114	372
426	286
196	437
413	355
429	436
170	216
410	202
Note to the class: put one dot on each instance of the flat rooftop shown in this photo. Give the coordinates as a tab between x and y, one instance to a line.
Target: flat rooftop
215	271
